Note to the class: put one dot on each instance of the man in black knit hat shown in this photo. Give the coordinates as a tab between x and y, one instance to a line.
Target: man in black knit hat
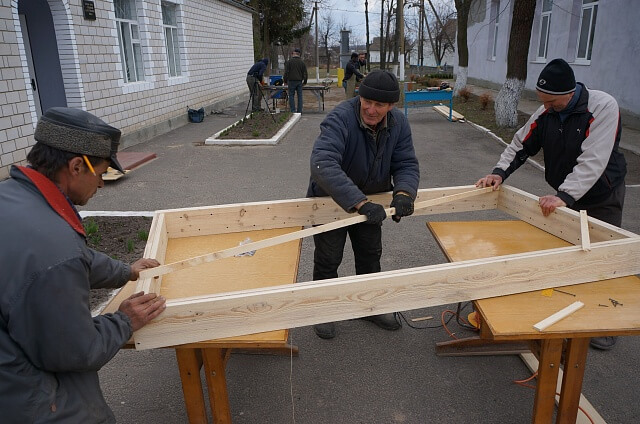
364	147
579	131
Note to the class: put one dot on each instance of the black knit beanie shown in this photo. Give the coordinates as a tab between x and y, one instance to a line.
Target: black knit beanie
380	86
556	78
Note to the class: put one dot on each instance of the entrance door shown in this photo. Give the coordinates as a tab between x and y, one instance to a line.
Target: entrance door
40	45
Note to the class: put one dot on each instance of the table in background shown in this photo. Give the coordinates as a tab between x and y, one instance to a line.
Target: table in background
427	96
279	90
511	318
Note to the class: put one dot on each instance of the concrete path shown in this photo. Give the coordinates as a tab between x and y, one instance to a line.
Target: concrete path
364	375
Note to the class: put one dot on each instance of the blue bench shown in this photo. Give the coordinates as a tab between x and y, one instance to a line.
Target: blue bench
427	96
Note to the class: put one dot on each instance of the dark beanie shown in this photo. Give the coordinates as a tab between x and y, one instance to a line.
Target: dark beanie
556	78
380	86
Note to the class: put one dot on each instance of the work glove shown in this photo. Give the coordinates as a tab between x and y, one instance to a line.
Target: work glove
403	204
374	212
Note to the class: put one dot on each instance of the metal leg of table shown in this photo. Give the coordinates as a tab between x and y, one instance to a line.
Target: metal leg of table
214	370
189	364
574	366
549	364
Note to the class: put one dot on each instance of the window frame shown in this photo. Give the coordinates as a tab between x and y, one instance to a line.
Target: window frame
172	43
126	29
592	6
544	37
494	49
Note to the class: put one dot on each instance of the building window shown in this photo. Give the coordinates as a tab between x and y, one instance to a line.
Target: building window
587	29
495	29
129	39
170	26
545	21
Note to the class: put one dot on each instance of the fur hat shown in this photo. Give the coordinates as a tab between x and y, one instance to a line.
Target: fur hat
380	86
77	131
556	78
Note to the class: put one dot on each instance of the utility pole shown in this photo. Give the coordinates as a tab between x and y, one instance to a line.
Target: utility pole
400	17
317	60
421	37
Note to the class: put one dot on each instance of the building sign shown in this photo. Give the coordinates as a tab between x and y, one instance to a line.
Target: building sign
89	10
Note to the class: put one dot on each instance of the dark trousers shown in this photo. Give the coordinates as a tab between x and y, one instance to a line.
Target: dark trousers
295	87
609	210
256	92
366	241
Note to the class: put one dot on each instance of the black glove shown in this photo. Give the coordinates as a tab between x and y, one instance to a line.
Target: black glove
403	204
374	212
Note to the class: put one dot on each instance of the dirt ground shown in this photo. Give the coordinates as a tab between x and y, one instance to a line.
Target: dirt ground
122	238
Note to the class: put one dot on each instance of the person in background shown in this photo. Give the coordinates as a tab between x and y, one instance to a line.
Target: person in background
51	348
254	81
365	147
350	76
295	76
579	131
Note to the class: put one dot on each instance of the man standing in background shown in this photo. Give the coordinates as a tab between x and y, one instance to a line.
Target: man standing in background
295	76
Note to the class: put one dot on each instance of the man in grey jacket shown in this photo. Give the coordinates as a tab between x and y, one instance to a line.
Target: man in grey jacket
365	147
51	348
295	76
579	131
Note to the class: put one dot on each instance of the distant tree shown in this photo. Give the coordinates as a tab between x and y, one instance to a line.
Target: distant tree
326	33
462	9
506	104
276	27
442	31
382	43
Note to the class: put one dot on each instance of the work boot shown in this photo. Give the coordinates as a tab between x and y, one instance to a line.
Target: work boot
326	330
385	321
603	343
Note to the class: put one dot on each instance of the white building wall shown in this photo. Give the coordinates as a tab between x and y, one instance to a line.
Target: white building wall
615	56
216	42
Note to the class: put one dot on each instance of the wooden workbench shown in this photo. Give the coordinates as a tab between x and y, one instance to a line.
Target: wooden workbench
511	318
269	266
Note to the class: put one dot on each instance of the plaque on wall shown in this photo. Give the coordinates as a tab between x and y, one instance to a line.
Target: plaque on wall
89	10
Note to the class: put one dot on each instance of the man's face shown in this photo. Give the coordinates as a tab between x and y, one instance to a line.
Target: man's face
361	57
84	185
558	102
373	112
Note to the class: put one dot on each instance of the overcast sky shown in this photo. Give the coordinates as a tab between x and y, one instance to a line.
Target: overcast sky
351	12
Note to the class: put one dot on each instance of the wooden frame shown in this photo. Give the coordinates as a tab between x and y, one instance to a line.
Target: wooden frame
614	253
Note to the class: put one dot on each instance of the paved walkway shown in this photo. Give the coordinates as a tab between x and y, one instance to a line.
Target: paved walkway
365	375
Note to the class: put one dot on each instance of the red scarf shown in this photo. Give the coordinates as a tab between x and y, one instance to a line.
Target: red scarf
55	198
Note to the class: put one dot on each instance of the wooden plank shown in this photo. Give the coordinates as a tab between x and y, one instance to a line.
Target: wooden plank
584	231
563	222
532	363
189	364
574	365
444	111
561	314
550	354
214	367
284	238
156	248
230	218
295	305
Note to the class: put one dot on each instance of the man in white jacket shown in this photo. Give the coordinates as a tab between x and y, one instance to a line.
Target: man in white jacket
579	132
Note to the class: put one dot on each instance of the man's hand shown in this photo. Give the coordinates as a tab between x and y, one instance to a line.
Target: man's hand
374	212
141	265
491	180
142	308
549	203
403	203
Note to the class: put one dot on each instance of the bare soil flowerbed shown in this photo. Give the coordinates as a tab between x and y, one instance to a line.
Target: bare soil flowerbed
259	125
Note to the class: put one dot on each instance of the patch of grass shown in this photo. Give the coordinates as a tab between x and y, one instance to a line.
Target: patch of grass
130	245
91	229
143	235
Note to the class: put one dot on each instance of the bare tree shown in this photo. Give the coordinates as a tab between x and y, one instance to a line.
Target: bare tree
462	9
326	34
441	30
506	105
382	43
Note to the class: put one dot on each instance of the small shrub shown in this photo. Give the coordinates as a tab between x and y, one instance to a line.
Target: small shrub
484	100
464	94
130	246
143	235
255	133
92	231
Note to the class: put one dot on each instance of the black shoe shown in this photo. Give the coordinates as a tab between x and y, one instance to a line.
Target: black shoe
385	321
326	330
603	343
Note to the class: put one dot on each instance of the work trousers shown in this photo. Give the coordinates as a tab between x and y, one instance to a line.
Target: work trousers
609	210
256	93
351	87
295	87
366	241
